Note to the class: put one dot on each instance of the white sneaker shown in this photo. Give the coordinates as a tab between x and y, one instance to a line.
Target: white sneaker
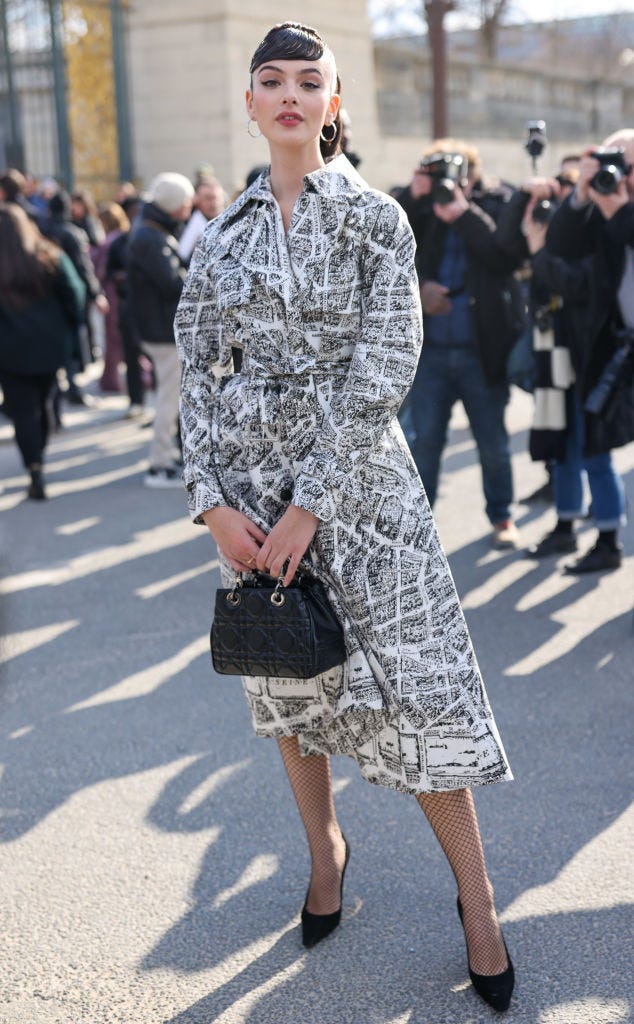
163	478
505	535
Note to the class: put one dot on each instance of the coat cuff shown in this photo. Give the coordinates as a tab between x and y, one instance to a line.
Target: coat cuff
311	495
201	497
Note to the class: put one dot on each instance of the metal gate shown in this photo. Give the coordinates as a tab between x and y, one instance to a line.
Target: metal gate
63	102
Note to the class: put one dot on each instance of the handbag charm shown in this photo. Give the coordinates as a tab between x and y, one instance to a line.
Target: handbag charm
261	628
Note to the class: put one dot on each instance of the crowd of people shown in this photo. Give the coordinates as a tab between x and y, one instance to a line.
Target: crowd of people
542	273
546	269
81	282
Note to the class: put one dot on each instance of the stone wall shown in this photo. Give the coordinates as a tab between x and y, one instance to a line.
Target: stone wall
489	105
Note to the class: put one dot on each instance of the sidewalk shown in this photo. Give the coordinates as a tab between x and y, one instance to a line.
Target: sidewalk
152	858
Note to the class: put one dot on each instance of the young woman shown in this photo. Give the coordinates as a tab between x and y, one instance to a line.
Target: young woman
299	459
41	307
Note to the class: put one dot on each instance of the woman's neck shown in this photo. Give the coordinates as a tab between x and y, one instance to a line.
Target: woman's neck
288	168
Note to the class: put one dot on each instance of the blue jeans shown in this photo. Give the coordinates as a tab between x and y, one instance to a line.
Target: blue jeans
444	375
606	487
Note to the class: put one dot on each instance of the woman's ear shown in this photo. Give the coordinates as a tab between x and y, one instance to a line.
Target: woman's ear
333	106
248	96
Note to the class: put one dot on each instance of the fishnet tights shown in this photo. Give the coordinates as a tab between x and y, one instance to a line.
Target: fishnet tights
311	784
452	816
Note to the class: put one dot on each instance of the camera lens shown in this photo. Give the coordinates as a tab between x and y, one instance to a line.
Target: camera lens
606	180
444	192
543	211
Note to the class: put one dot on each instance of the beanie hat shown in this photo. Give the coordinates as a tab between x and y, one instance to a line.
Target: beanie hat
169	191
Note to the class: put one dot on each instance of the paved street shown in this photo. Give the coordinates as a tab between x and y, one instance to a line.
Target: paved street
152	861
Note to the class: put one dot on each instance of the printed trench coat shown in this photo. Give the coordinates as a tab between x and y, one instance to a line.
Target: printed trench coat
328	319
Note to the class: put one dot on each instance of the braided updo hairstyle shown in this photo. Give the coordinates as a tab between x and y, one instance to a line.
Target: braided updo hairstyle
293	41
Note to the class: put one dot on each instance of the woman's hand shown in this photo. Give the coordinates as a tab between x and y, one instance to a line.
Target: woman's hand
287	542
238	539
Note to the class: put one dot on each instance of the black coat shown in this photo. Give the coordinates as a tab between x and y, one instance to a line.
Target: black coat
595	249
495	295
155	275
75	244
39	337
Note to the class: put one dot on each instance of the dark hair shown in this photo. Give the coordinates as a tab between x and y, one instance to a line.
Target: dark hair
293	41
87	199
59	205
27	260
12	183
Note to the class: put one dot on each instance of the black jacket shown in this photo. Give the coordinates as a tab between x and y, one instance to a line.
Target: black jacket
494	293
39	337
75	244
155	275
595	249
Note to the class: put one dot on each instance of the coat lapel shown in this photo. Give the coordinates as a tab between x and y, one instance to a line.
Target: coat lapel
250	233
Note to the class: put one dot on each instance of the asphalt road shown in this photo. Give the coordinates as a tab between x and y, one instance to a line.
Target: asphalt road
152	860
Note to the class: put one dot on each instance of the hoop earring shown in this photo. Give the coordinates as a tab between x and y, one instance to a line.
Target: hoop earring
251	120
331	124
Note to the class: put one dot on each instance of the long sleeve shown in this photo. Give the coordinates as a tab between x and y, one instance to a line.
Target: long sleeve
381	370
480	234
204	361
562	277
574	230
620	228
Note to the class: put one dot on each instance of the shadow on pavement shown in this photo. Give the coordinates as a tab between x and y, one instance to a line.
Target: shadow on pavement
107	674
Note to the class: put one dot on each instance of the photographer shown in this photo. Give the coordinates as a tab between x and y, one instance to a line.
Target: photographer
593	231
472	315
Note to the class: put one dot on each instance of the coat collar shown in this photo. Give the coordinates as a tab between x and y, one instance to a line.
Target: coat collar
338	184
337	179
248	231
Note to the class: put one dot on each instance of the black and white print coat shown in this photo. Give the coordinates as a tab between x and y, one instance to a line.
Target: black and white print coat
328	319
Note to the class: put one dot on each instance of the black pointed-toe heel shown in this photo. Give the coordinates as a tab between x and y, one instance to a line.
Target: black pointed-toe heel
316	927
495	989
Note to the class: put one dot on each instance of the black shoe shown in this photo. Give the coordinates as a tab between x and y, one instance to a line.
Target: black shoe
316	927
554	543
495	989
36	488
599	558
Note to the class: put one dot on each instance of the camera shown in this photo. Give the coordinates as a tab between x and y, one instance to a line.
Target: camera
544	211
614	168
535	145
536	141
446	171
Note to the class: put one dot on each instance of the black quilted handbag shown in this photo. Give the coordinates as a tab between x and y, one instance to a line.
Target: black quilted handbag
261	628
